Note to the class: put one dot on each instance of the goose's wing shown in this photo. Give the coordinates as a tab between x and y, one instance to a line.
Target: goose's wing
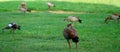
70	32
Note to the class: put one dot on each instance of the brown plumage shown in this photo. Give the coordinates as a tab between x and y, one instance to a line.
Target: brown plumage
114	17
70	33
12	27
23	8
73	19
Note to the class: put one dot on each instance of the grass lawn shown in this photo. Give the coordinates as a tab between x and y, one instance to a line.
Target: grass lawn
41	31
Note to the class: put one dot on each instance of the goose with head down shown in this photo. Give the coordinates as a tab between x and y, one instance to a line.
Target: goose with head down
114	17
23	8
12	27
50	5
73	19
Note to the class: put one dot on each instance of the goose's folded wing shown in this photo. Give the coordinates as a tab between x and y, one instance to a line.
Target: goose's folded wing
71	33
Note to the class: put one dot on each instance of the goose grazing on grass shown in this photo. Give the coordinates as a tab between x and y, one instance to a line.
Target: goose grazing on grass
114	17
73	19
70	33
50	5
12	27
23	8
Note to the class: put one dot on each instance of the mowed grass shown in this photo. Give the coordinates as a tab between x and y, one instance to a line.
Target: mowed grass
41	31
106	6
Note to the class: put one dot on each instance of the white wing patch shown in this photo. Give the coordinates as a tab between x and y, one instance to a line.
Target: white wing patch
10	25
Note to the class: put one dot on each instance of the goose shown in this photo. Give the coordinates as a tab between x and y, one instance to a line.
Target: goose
50	5
23	8
12	26
114	17
73	19
70	33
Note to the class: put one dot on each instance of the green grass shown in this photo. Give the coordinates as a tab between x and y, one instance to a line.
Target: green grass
42	31
95	7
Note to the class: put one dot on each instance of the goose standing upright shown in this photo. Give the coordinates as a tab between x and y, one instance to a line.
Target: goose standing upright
70	33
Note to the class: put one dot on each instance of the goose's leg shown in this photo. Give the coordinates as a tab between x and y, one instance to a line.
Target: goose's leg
69	43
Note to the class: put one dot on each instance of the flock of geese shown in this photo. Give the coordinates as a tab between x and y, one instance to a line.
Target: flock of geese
69	32
23	8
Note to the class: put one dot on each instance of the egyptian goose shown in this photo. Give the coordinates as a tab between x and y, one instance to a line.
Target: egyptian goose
23	8
12	27
73	19
50	5
70	33
114	17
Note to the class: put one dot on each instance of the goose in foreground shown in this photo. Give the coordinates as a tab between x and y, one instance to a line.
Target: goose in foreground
12	27
70	33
